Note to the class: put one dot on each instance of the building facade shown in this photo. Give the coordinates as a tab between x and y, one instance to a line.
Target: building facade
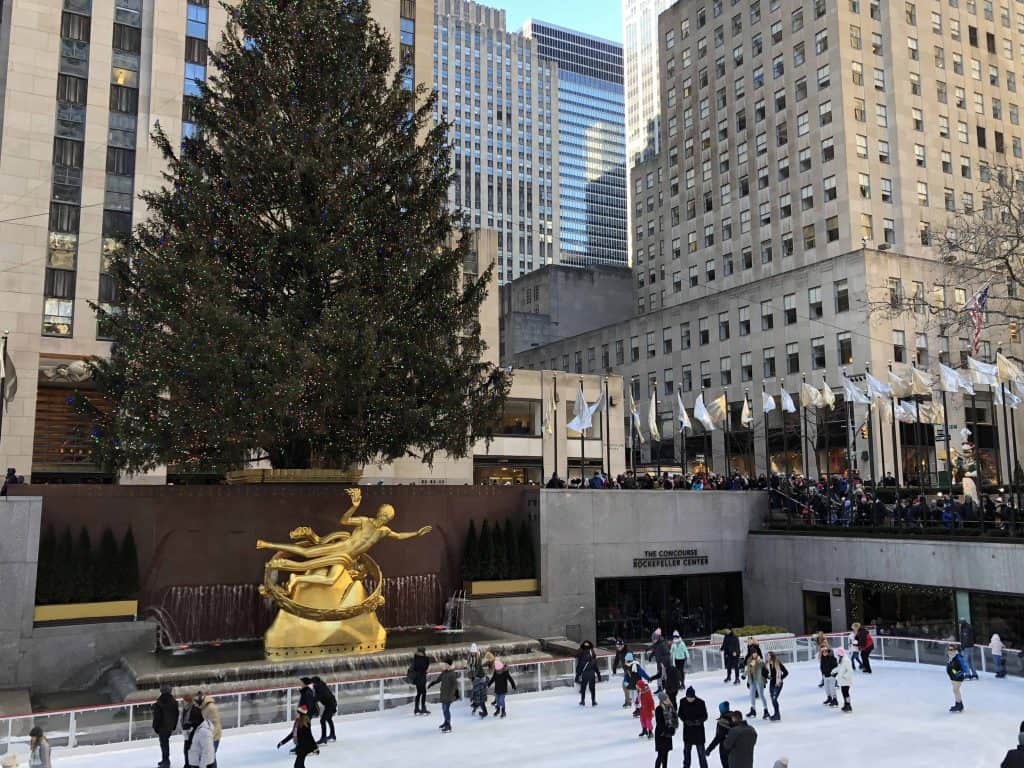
502	100
811	156
83	84
591	198
640	59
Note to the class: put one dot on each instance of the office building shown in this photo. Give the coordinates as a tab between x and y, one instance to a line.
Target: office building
640	58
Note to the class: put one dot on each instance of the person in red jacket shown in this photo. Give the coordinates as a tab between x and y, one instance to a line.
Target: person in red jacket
646	709
866	644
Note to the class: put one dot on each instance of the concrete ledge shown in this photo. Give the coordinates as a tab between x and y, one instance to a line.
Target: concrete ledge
87	611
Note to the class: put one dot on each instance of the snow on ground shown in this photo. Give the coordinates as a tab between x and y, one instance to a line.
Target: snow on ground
900	718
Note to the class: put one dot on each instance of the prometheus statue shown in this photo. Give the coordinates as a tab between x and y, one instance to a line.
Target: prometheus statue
324	605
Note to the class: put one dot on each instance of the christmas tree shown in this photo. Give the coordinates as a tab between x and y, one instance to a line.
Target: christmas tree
299	290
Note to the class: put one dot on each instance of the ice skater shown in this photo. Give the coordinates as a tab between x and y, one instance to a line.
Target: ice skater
680	655
325	697
694	713
731	656
996	645
661	653
956	670
866	644
478	695
740	742
756	673
646	702
828	664
449	683
843	674
634	672
722	726
588	673
165	721
301	734
1015	757
855	647
621	652
418	677
967	639
501	680
777	672
665	724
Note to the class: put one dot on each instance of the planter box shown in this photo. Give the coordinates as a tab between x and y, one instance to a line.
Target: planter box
502	588
116	609
258	476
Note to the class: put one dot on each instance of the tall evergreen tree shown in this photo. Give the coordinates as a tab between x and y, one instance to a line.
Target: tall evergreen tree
527	558
46	567
485	571
82	567
63	576
500	568
107	568
513	566
300	290
471	554
128	562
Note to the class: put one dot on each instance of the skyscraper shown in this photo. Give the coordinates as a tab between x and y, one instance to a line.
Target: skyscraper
643	97
591	143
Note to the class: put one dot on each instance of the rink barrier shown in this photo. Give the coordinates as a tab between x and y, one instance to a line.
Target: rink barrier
124	723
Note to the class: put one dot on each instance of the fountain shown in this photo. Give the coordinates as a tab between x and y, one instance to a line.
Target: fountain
454	611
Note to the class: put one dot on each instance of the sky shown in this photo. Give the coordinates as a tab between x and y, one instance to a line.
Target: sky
595	17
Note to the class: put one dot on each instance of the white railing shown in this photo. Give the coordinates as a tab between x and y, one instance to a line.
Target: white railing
122	723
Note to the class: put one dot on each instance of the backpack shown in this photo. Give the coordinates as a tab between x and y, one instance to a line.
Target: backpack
672	719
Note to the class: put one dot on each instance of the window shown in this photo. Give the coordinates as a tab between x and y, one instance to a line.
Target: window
666	341
709	270
917	117
684	335
686	382
882	115
68	153
792	357
829	186
129	40
922	193
889	230
746	366
857	72
841	292
821	41
899	347
120	162
124	100
768	362
766	252
818	353
75	27
855	38
824	77
744	321
705	374
814	301
694	277
703	331
789	308
864	182
808	234
844	345
725	371
649	338
723	326
883	151
634	348
886	186
767	316
828	150
71	89
832	229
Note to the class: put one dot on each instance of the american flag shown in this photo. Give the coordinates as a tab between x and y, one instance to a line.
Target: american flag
977	311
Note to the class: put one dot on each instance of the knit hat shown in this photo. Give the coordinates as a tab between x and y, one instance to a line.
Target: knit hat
641	684
473	648
676	636
303	709
165	687
629	656
306	680
498	665
663	697
723	708
690	693
840	652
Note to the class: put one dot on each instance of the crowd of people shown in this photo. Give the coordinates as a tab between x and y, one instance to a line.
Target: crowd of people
665	481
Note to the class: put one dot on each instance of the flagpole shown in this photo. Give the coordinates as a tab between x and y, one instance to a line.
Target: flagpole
871	436
583	449
1013	427
554	420
785	437
750	432
851	416
682	430
767	450
607	429
995	430
895	445
917	430
728	429
3	383
804	437
543	474
659	431
1006	431
828	437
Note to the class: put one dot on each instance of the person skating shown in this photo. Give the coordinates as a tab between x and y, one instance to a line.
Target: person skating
418	677
501	680
757	674
752	647
38	749
996	645
1015	757
866	644
731	656
212	715
646	701
478	693
449	682
828	663
165	721
620	660
672	685
740	742
956	670
693	713
191	717
777	672
302	736
843	674
634	672
661	653
588	674
326	698
665	724
680	655
967	640
855	661
722	726
307	696
201	751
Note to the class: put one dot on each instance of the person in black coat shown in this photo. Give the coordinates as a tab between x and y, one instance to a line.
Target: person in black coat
673	682
326	698
588	673
693	713
307	697
777	672
731	655
621	651
1015	757
501	680
664	715
165	721
418	677
302	735
722	726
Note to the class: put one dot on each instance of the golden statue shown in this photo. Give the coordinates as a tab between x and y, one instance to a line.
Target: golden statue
324	605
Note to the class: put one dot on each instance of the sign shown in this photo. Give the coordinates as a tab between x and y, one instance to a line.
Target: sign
670	558
699	458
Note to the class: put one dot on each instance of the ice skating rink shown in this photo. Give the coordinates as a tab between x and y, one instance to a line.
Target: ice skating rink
900	718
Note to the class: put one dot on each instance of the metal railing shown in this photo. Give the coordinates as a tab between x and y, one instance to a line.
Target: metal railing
124	723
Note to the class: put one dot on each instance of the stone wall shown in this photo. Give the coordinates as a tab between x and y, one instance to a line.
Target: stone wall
19	555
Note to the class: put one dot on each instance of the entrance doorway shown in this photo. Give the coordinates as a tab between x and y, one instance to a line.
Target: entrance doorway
817	612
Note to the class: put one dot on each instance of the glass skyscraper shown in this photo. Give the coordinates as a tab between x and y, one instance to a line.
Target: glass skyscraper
592	143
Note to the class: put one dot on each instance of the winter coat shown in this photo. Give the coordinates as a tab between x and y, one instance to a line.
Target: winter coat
201	752
212	715
449	685
864	639
39	757
620	659
751	650
501	681
420	665
586	667
191	716
693	715
302	735
679	651
673	681
966	636
997	645
731	646
777	673
475	665
660	652
325	696
647	703
478	696
843	673
165	714
740	745
955	668
756	672
307	697
662	733
828	664
632	673
1014	759
722	727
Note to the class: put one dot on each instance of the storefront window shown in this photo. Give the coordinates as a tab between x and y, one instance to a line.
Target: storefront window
512	473
902	609
1003	614
521	417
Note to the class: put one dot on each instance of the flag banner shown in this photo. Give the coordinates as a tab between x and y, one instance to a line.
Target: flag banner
828	397
899	385
786	400
596	407
982	373
854	394
684	420
581	413
1007	370
906	412
809	396
878	389
767	402
700	413
717	409
949	380
549	421
652	417
746	417
10	377
884	411
634	414
921	382
1012	400
938	414
1019	386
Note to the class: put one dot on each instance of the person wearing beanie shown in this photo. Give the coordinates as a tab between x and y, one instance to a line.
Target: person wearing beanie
956	670
501	680
449	683
731	655
827	663
722	726
693	713
646	709
680	655
665	724
1015	757
843	673
302	735
634	672
165	720
588	672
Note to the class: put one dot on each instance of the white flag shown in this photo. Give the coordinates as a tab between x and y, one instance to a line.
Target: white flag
1019	386
9	377
684	420
652	417
787	401
767	402
938	414
949	380
809	396
906	412
746	417
580	413
878	389
921	382
982	373
854	394
828	397
1012	400
1007	370
899	385
700	413
596	407
634	414
718	411
549	420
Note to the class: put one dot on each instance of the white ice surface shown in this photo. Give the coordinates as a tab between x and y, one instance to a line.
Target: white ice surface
900	718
